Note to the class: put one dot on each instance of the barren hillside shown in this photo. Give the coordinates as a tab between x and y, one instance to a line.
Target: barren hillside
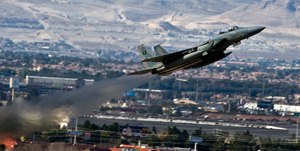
92	25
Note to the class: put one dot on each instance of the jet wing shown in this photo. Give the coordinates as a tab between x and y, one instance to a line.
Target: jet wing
141	72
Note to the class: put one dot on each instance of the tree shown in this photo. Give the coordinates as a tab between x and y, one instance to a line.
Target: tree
172	137
142	111
183	137
98	77
173	130
104	108
178	112
208	142
178	94
220	144
94	127
114	74
167	95
242	141
153	141
2	147
155	109
104	127
198	132
113	100
142	95
34	93
167	104
153	130
86	124
176	138
114	127
233	107
2	95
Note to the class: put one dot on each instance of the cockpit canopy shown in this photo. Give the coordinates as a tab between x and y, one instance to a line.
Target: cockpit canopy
229	29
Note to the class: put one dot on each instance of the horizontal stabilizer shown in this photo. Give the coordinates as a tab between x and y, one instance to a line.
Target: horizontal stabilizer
160	50
141	72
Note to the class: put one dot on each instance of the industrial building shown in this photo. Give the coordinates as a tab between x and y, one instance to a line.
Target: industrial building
276	107
41	85
184	101
56	81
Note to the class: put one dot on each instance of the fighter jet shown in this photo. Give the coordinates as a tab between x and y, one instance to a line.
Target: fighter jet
164	63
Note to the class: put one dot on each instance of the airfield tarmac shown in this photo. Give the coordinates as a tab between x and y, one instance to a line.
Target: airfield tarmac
258	132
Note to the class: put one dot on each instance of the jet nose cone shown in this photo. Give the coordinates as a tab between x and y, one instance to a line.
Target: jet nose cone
259	29
255	30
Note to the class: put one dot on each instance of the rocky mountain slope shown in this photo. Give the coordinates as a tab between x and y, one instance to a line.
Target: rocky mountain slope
281	17
274	13
91	25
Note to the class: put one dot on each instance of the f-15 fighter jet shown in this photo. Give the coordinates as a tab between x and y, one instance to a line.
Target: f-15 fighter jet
164	63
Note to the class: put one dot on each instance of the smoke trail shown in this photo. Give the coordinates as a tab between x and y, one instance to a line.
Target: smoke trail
21	118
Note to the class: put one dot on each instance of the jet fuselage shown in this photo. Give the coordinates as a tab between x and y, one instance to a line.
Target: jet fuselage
220	43
195	57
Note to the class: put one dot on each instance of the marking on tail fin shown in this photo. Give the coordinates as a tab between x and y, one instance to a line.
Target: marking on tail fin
147	54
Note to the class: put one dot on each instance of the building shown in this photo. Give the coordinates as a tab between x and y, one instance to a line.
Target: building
265	104
137	106
252	106
287	108
56	81
184	101
275	98
184	110
55	146
276	107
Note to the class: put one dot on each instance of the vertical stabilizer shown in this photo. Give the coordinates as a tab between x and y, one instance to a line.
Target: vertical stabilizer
146	54
160	50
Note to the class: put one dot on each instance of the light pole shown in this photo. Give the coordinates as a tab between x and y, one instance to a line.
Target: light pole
179	85
178	79
197	90
75	130
149	98
297	132
263	92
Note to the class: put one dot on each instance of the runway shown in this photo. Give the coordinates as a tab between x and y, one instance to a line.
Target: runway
257	132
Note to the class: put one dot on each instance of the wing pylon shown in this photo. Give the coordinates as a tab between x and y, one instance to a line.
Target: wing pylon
141	72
